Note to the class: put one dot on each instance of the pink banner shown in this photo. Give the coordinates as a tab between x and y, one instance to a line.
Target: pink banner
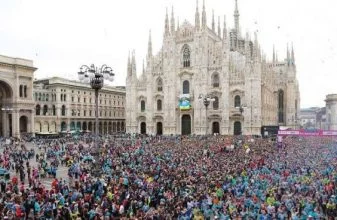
307	133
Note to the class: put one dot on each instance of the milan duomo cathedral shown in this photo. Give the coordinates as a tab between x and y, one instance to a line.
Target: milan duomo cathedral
208	80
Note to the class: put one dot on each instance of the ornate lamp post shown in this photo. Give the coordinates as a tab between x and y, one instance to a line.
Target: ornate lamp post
96	76
7	109
240	109
206	101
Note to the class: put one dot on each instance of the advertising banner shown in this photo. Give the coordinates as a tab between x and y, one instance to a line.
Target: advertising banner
307	133
184	104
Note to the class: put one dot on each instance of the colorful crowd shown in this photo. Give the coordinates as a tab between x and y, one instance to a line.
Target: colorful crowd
197	177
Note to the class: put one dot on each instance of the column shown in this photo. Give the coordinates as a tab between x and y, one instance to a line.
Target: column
31	122
58	111
68	124
4	124
15	124
106	128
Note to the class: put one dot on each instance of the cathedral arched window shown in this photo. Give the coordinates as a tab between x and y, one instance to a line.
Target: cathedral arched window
237	101
45	109
280	106
21	90
160	85
54	110
186	87
186	56
215	80
37	110
216	103
159	105
142	106
25	91
63	111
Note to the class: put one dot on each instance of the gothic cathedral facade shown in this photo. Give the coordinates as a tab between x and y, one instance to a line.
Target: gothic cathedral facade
207	80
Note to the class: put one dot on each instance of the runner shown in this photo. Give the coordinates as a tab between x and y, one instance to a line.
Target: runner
195	177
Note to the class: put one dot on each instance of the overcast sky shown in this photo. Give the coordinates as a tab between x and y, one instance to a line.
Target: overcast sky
61	35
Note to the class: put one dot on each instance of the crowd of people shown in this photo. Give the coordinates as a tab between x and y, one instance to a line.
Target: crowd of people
173	177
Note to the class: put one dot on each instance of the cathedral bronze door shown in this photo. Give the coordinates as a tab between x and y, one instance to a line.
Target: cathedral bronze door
215	128
186	125
237	128
143	128
159	128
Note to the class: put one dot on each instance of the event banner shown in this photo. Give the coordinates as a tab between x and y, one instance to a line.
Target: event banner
307	133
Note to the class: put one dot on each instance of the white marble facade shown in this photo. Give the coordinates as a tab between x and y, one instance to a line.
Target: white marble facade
16	100
197	61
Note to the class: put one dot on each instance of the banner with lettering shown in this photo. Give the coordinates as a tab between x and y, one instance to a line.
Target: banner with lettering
303	132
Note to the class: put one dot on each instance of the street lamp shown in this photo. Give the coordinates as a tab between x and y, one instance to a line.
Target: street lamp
241	108
7	109
95	76
206	101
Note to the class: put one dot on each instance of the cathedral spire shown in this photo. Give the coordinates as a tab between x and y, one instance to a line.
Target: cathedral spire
288	55
247	36
224	28
167	29
292	54
213	23
149	46
236	18
143	67
256	47
197	17
172	22
264	58
133	63
219	28
204	15
274	54
129	64
247	47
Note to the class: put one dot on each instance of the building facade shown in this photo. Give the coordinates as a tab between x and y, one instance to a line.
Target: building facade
55	104
308	117
16	100
321	122
246	90
331	111
63	105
